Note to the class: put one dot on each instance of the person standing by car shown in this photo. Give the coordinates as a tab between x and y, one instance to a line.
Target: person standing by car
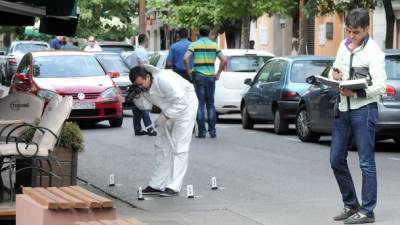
177	100
140	57
205	52
56	42
177	52
92	45
357	117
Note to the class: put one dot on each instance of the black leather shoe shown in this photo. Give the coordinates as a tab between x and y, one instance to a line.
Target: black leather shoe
346	213
150	191
151	132
168	193
213	134
359	218
140	133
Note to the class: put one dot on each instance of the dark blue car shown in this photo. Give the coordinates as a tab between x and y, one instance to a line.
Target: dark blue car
274	94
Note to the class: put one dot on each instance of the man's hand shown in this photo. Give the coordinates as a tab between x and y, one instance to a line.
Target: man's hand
336	74
346	92
161	120
217	76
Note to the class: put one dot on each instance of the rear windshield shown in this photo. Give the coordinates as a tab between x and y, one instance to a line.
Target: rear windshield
113	63
305	68
28	47
117	49
246	63
67	66
393	67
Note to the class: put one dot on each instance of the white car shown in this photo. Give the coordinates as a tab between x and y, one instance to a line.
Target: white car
241	64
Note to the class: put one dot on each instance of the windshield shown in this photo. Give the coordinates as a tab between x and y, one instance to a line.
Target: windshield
28	47
249	63
67	66
305	68
393	67
113	63
117	49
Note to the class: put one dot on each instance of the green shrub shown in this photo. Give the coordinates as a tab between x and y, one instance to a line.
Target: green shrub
72	137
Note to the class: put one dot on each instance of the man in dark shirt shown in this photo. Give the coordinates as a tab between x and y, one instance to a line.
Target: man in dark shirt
55	43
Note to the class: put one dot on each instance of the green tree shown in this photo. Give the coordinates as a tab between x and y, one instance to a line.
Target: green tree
92	15
324	7
220	14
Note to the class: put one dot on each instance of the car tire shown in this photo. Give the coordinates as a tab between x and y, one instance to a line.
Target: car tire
281	126
247	123
117	122
303	129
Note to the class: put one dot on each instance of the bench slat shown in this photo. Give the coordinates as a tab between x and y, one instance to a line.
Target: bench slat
40	198
62	203
105	202
76	203
90	202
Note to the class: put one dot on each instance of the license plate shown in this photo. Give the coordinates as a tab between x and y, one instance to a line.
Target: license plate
84	105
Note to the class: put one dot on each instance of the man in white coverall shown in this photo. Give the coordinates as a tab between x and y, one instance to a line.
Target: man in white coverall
178	102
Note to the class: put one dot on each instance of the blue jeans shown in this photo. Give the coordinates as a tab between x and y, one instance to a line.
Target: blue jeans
205	91
360	123
138	115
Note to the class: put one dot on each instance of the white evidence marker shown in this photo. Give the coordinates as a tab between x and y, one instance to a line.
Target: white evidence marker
189	191
140	194
112	180
214	185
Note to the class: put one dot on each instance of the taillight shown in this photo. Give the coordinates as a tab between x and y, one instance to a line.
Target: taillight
12	61
390	91
290	96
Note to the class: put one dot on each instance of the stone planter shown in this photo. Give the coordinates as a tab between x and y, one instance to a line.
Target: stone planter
68	159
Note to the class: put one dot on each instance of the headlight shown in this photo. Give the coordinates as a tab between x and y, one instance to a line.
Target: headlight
110	93
46	94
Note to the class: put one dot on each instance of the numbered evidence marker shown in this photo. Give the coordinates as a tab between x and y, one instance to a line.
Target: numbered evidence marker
214	183
189	191
112	181
140	194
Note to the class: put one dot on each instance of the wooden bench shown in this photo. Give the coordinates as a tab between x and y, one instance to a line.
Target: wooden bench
130	221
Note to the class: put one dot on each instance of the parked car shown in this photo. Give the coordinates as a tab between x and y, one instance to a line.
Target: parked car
315	109
274	94
9	62
112	62
96	96
241	65
115	46
159	59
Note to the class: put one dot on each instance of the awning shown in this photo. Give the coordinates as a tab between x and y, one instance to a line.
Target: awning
57	17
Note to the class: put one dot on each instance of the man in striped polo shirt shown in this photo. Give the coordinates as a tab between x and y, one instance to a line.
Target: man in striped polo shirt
205	52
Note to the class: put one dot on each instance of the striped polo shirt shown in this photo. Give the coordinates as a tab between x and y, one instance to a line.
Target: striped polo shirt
204	53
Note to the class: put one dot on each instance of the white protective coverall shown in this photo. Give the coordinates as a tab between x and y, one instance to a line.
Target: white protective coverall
177	99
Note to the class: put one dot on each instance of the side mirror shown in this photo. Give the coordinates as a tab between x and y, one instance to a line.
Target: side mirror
311	80
2	52
21	77
248	81
113	74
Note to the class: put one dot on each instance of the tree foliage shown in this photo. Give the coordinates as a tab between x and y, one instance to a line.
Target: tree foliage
94	13
217	13
324	7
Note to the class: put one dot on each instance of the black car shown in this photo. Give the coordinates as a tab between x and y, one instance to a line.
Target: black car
274	94
315	110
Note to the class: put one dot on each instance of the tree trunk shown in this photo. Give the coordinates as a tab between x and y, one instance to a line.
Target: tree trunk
245	36
302	30
390	19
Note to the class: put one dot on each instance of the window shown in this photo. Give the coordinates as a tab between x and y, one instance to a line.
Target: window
113	63
248	63
393	67
278	70
24	65
62	66
304	68
264	72
28	47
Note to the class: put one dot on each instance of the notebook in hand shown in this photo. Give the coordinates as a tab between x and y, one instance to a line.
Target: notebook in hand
349	84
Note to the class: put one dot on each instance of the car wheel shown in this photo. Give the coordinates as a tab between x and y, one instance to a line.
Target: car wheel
281	126
247	123
303	129
117	122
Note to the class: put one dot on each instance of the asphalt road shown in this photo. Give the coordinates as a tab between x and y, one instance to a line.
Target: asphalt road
263	178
